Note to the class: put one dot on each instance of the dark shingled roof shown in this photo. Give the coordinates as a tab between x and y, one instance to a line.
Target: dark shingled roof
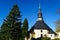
42	25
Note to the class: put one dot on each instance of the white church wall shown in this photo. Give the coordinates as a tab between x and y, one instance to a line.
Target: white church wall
58	35
52	36
44	32
25	38
30	36
38	33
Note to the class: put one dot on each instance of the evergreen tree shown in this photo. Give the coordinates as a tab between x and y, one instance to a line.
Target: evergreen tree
5	35
12	25
25	29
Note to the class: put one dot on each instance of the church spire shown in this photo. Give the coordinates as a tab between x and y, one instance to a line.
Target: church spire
39	14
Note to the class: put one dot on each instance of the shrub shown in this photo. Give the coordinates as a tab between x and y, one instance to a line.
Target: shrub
56	39
45	38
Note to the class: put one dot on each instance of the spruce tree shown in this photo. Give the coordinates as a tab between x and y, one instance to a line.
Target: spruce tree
13	24
25	29
5	35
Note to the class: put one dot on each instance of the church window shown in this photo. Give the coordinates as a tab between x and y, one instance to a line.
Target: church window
51	35
41	35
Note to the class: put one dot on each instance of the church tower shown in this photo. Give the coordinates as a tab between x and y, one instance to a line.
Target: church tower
40	18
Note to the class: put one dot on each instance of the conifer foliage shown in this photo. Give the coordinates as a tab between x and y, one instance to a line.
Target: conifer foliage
25	28
11	28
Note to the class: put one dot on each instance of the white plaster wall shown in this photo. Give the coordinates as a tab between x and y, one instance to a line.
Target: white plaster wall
45	32
58	35
30	36
52	36
25	38
38	33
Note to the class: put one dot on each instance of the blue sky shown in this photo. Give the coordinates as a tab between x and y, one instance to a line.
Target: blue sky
29	10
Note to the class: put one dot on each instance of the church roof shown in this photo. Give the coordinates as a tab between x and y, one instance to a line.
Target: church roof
42	25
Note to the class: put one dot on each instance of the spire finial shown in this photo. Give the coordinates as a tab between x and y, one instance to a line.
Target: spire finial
39	9
39	5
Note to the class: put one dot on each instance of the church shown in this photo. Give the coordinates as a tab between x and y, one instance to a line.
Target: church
40	28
